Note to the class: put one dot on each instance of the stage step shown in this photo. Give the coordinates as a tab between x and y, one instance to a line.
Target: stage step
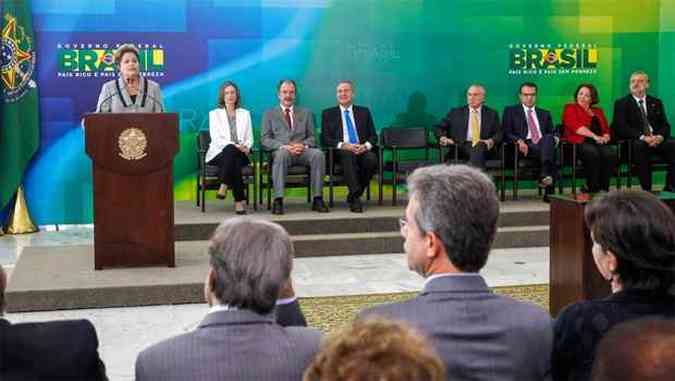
329	224
317	245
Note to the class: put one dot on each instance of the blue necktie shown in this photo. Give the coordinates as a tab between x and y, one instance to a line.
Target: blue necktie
350	129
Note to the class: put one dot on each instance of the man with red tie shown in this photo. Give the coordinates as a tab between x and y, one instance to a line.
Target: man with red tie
531	129
288	131
350	129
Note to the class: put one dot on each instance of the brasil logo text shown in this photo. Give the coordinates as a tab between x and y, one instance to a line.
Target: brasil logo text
547	59
17	60
91	60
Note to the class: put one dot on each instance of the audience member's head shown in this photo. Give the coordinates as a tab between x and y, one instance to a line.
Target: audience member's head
633	240
638	350
3	284
250	260
451	219
376	349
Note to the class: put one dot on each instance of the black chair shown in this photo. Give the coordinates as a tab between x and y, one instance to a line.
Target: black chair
494	164
298	177
655	162
522	167
398	140
335	173
207	175
570	159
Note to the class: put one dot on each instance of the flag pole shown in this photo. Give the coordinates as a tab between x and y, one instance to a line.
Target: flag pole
19	221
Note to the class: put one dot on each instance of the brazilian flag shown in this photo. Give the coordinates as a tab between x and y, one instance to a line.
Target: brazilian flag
19	118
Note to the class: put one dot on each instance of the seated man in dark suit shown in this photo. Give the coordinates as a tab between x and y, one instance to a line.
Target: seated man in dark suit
250	260
642	119
479	335
350	129
63	350
531	129
474	128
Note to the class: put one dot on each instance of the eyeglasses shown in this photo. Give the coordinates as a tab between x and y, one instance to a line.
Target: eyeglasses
403	224
529	94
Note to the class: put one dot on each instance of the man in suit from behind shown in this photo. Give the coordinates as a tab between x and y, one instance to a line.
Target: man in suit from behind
238	339
63	350
641	119
531	129
449	226
288	131
474	128
350	129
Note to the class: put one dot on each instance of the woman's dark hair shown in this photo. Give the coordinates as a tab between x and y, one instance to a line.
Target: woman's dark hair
592	89
221	94
640	231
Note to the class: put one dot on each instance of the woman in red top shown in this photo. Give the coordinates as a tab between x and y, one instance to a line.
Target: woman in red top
586	125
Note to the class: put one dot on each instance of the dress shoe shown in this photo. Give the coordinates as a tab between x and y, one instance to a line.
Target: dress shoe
355	206
222	192
547	192
319	206
278	206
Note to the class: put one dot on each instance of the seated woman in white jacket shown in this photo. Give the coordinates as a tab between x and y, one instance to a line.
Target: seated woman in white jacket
231	141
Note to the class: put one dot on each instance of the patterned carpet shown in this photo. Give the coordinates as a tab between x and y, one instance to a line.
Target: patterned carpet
329	313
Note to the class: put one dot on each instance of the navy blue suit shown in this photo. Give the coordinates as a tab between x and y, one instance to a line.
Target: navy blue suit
515	128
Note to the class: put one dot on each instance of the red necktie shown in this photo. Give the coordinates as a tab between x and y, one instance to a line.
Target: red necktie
532	126
288	118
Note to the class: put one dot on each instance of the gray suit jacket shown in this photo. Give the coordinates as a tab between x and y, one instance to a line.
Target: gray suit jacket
275	131
478	334
114	97
231	345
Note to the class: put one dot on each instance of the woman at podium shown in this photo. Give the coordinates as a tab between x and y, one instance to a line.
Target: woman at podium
231	133
130	92
633	236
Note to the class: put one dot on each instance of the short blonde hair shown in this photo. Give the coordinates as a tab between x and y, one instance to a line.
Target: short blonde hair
376	349
124	48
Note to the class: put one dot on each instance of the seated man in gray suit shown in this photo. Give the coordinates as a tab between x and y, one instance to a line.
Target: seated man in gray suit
238	339
448	228
288	131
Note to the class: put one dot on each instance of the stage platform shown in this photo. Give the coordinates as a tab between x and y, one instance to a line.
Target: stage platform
57	273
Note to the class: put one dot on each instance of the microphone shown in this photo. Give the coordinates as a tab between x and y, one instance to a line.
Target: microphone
100	105
161	106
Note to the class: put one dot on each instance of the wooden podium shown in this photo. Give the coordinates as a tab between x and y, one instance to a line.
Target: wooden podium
573	274
132	155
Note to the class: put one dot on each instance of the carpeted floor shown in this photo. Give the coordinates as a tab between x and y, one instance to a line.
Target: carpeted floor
329	313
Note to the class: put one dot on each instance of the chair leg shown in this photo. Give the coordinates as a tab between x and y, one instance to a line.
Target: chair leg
515	174
203	198
269	193
394	188
197	188
574	170
255	189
